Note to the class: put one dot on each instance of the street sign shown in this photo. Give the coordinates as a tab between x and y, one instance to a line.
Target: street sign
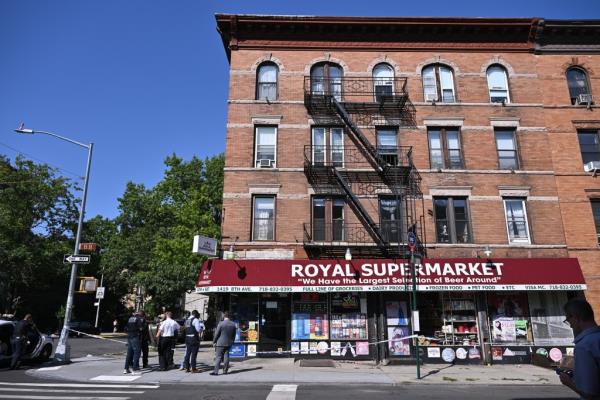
205	245
77	259
87	246
411	239
100	292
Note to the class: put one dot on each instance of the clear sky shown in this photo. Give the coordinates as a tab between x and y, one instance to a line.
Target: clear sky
143	79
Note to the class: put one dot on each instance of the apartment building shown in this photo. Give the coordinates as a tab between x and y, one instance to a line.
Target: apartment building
376	165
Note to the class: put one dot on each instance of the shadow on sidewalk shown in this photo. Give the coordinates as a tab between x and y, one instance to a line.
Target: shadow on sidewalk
237	371
435	371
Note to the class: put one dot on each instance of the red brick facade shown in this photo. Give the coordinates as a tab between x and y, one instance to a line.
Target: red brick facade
550	174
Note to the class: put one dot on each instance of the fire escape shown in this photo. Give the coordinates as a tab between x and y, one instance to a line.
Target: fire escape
356	169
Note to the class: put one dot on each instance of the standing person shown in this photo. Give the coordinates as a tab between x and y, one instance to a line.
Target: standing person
167	334
224	336
133	328
586	379
145	339
115	325
193	329
19	339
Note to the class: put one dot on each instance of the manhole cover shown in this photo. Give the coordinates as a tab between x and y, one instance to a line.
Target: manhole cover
317	363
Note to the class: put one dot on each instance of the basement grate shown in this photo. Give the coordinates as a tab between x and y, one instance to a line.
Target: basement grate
317	363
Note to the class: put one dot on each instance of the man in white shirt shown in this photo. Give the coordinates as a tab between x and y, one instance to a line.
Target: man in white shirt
167	335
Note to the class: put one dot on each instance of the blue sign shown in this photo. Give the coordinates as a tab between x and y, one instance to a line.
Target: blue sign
237	350
411	239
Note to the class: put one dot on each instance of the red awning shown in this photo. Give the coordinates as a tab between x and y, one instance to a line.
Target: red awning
379	275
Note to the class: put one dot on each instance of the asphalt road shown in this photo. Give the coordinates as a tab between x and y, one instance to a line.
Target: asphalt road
81	347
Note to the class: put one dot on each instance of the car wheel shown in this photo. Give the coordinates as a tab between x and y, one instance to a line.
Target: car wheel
46	353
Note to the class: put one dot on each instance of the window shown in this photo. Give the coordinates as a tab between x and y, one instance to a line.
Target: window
589	144
444	148
264	218
498	84
451	220
383	82
389	218
328	154
326	79
516	221
578	83
266	140
507	149
387	145
327	228
596	212
266	82
438	83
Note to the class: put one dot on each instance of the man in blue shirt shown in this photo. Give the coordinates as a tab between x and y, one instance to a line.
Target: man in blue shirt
586	375
193	331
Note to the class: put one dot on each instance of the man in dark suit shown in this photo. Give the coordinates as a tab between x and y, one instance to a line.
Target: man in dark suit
224	337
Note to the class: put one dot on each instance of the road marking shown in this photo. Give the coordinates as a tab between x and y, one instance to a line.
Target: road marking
12	396
79	385
116	378
283	392
70	391
49	368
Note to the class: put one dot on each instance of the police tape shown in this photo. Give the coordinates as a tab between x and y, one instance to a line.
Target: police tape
97	336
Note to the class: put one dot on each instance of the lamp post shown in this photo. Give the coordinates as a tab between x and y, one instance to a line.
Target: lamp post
62	352
415	258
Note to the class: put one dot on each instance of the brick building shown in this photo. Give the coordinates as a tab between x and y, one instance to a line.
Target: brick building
345	134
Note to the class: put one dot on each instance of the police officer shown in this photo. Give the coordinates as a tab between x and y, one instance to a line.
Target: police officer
193	329
19	339
133	328
145	340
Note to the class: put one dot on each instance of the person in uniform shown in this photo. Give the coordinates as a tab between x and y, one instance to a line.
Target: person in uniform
224	337
19	339
167	334
145	339
133	328
193	329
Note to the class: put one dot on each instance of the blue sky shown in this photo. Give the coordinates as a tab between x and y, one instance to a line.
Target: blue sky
144	79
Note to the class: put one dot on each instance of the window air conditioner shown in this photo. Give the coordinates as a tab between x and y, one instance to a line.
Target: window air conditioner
265	163
585	98
592	166
431	97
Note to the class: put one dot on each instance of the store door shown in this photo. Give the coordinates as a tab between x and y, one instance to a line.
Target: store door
274	323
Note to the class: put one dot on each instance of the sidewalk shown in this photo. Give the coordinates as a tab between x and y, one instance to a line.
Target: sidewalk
285	370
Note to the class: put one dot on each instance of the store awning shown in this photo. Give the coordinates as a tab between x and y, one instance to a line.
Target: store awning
380	275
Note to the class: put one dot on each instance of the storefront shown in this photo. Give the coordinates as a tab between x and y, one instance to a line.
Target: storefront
470	310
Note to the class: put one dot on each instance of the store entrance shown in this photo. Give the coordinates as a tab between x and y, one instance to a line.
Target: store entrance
274	321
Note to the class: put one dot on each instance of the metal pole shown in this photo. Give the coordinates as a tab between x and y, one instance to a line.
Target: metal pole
99	300
62	353
414	308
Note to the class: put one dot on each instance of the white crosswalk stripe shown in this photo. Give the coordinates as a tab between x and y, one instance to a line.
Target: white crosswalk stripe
71	391
283	392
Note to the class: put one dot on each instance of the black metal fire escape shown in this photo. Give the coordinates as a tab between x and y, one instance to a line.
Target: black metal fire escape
331	105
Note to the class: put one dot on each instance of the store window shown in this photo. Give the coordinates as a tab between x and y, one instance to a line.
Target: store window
509	318
438	83
244	313
547	316
266	81
309	317
459	319
589	144
348	316
451	220
263	227
444	148
596	213
397	322
579	88
506	144
516	221
266	146
498	84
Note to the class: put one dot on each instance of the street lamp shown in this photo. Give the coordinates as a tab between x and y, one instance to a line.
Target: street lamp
62	352
415	258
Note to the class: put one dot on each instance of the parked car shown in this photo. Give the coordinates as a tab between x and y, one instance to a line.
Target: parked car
83	326
39	346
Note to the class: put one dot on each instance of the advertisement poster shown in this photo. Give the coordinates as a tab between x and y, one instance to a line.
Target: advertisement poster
448	354
348	326
247	331
303	347
237	350
433	352
251	350
362	348
312	348
300	326
396	345
322	347
497	353
504	330
295	348
396	312
336	349
319	327
474	353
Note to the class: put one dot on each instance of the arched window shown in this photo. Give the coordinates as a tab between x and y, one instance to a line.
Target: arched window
498	84
383	82
266	81
438	83
326	78
579	88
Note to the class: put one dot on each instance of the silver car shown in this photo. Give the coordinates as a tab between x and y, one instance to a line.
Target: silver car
39	346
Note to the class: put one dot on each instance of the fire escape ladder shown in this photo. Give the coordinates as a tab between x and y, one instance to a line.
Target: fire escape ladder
359	209
371	150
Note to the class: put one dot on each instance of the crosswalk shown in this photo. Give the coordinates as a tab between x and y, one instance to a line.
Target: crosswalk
72	391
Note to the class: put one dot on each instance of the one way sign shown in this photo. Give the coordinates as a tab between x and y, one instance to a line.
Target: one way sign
76	259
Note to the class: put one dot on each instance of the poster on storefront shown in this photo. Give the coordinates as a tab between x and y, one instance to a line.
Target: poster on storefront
336	349
433	352
398	346
300	326
295	348
362	348
504	330
497	353
396	312
312	349
237	350
251	350
322	347
319	327
246	331
303	347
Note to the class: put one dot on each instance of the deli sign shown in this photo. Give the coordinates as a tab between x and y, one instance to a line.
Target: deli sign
389	275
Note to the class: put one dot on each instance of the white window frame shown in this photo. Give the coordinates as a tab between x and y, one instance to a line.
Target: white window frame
256	128
490	88
524	204
332	145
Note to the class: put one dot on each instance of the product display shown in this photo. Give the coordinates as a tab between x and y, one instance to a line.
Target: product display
459	320
349	326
